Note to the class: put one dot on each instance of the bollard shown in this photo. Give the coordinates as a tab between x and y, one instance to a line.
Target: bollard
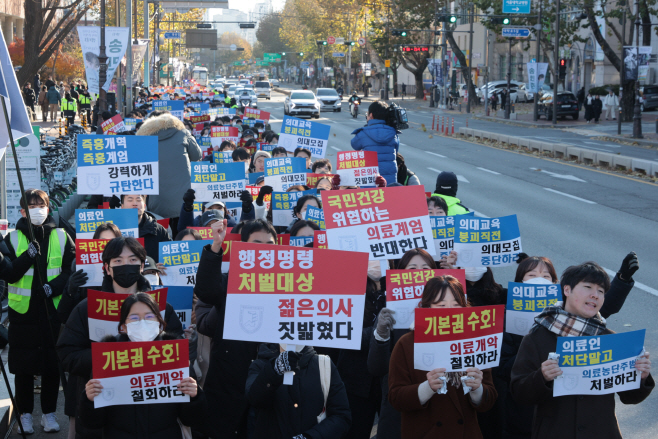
447	126
60	126
433	117
453	126
466	123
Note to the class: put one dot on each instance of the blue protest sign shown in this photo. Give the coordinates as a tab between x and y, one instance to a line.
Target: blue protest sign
176	108
282	173
254	176
443	232
183	257
283	204
212	181
200	107
114	165
300	241
205	142
316	215
266	147
516	6
181	299
296	133
600	364
525	301
487	242
222	157
131	123
88	220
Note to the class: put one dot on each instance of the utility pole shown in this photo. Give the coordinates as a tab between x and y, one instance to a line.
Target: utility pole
470	58
485	94
508	94
637	110
622	3
444	62
433	68
349	61
537	55
556	59
388	38
129	58
102	73
146	37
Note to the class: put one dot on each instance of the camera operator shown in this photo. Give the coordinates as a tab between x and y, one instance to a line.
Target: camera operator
380	137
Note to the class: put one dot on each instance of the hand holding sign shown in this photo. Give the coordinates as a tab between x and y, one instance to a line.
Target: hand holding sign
643	364
93	388
434	378
551	370
218	234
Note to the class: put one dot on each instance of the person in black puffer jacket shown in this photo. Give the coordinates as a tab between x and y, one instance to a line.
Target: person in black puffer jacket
142	421
74	345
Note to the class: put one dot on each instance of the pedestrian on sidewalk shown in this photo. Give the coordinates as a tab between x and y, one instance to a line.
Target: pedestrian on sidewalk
43	103
597	104
30	98
54	99
494	102
581	98
589	108
503	99
404	89
611	103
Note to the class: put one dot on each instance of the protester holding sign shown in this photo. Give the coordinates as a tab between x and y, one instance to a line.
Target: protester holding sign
36	273
436	403
446	188
176	149
149	229
534	371
123	261
141	321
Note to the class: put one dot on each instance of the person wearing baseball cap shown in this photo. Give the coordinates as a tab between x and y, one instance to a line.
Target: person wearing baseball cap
247	134
210	217
151	272
446	188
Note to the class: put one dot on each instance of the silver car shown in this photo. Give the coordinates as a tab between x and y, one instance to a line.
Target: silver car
328	99
245	97
301	103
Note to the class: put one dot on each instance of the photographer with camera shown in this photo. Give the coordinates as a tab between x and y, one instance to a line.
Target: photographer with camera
381	135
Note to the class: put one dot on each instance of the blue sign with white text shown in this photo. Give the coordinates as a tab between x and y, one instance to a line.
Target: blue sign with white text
487	242
516	6
515	32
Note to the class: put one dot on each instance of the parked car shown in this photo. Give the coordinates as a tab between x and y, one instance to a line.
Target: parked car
274	82
328	99
514	98
495	85
301	103
567	105
262	89
649	99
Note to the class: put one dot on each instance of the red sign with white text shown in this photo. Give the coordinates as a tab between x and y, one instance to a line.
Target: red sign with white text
256	114
357	168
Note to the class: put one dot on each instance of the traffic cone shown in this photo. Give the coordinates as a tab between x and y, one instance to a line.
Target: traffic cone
453	126
433	117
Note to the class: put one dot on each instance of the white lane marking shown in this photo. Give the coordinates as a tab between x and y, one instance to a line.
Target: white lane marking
459	177
337	149
570	196
640	285
480	214
433	153
562	176
489	171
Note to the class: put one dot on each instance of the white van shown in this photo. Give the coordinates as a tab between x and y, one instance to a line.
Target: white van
262	89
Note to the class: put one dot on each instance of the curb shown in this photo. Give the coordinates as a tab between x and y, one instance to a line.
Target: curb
568	152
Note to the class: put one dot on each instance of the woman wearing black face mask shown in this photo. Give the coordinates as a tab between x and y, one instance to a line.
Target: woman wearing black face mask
123	261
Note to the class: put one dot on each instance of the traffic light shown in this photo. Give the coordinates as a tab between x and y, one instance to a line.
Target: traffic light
204	26
321	43
395	33
301	53
352	43
452	18
500	20
283	53
563	68
247	25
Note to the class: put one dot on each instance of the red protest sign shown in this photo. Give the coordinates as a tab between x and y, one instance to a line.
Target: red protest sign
256	114
255	190
164	222
458	338
103	311
357	168
283	239
404	290
205	232
319	239
385	222
312	179
113	125
200	119
224	132
274	292
89	256
140	372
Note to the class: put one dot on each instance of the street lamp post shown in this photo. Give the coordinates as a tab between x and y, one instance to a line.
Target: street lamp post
539	27
102	72
556	50
470	58
637	111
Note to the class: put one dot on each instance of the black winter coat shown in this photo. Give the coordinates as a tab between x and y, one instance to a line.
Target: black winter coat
145	421
283	412
74	347
229	359
32	346
153	234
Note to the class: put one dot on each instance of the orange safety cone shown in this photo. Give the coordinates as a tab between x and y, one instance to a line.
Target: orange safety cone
433	117
453	126
442	123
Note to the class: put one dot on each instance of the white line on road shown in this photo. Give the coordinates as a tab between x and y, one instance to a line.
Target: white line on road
337	149
640	285
435	170
489	170
438	155
570	196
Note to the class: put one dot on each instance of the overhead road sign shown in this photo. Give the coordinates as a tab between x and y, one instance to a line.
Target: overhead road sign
172	36
515	32
338	54
516	6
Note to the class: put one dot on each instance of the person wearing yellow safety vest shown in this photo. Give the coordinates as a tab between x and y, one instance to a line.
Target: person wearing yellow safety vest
85	103
33	305
446	188
69	107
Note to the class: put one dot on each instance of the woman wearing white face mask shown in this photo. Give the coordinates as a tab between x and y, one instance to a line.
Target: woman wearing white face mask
37	273
123	260
141	321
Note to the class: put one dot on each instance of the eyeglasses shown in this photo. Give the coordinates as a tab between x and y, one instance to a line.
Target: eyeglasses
148	317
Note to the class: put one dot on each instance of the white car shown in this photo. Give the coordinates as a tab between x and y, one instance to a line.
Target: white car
301	103
274	82
262	89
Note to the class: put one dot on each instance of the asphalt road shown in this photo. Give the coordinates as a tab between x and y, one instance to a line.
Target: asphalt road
567	213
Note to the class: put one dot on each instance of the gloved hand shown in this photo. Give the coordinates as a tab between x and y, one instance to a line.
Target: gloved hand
77	279
380	181
629	266
47	290
264	190
335	182
115	202
286	362
188	200
299	436
385	322
246	199
33	250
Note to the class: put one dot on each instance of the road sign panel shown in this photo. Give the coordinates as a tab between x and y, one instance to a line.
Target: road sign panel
362	41
515	32
516	6
338	55
172	35
331	40
340	40
233	47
